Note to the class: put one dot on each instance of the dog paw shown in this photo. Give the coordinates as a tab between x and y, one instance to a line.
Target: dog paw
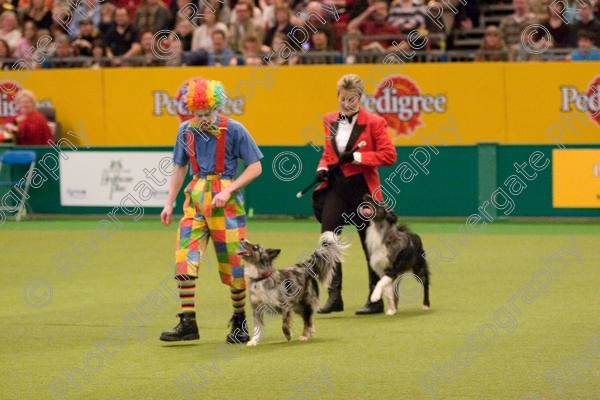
303	338
288	337
390	312
252	343
378	291
424	307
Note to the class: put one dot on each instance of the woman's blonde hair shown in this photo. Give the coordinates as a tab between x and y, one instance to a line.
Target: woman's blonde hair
351	83
28	93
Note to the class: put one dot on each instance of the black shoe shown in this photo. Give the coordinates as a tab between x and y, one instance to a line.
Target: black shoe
334	303
239	329
371	308
186	329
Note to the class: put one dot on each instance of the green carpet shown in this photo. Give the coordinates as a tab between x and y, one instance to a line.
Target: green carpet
98	336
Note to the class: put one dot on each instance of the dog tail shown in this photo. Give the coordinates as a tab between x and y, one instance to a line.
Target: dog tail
327	256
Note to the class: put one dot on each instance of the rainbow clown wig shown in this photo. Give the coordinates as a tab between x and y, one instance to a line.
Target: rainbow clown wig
200	95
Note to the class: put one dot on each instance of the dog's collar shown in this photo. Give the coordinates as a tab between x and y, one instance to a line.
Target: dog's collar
263	276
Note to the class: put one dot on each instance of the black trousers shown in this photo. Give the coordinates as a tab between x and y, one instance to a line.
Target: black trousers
343	196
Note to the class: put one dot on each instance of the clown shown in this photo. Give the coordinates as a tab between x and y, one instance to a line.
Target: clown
212	145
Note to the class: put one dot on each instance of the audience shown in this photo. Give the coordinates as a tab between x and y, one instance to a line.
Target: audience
110	29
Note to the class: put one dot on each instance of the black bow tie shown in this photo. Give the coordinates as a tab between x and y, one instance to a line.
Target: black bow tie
345	118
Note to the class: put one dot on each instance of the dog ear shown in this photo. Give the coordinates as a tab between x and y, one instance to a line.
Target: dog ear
273	253
391	217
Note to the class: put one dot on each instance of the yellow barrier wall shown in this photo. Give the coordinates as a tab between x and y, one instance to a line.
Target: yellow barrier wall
458	103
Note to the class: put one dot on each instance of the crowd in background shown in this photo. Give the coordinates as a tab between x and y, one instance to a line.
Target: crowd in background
89	33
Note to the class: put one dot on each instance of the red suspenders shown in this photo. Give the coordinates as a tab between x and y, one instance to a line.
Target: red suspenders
220	152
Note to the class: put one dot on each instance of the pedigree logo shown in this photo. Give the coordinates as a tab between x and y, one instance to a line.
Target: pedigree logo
587	102
398	99
8	93
164	104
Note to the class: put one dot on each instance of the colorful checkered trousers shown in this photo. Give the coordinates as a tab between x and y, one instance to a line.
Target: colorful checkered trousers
225	225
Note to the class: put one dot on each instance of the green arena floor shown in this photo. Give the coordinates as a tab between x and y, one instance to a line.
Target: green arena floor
503	324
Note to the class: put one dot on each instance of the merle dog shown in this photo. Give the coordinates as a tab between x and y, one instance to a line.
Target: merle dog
393	250
293	289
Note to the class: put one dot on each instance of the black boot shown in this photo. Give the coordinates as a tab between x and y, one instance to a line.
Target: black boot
239	329
186	329
371	308
335	302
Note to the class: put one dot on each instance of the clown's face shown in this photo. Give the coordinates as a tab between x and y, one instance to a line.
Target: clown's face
206	118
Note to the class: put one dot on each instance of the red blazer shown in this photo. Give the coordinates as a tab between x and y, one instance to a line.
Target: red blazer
33	130
378	151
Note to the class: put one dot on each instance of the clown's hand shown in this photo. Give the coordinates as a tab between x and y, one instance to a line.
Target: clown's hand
221	198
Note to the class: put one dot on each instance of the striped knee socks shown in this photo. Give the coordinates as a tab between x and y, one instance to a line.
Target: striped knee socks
187	291
238	299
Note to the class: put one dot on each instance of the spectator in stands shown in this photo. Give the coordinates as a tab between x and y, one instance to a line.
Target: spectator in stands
585	22
353	47
559	31
29	127
268	12
88	34
244	26
5	54
492	41
88	9
284	53
406	15
467	15
540	9
282	25
513	25
23	47
152	15
373	21
202	38
220	54
145	54
100	54
172	52
221	6
9	28
251	54
107	15
586	51
318	18
319	45
122	37
185	32
64	50
256	13
181	9
39	13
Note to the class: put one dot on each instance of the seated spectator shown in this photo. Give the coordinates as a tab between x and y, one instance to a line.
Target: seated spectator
319	45
100	55
107	14
559	31
314	17
220	54
256	13
146	54
153	16
586	51
373	21
353	47
88	34
492	41
88	9
6	5
244	26
122	37
221	6
251	54
64	50
180	9
585	22
406	16
268	12
5	54
171	52
24	45
202	38
9	28
184	31
540	9
513	25
282	25
284	53
39	13
468	14
29	127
